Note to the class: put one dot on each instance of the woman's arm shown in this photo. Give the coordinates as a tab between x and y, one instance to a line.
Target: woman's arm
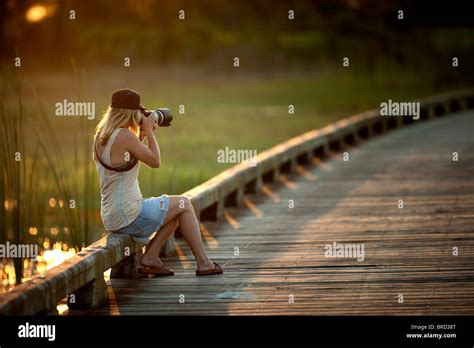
150	155
150	138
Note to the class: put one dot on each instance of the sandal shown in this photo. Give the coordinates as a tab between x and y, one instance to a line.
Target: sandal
216	270
162	271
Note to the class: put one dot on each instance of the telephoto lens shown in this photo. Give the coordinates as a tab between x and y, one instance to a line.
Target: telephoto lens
162	116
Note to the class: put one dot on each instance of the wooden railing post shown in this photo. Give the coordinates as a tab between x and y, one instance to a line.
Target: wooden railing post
128	267
94	293
91	295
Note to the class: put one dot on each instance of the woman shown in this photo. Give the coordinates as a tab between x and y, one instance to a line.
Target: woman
118	150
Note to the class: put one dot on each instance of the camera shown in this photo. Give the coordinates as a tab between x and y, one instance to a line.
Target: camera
162	116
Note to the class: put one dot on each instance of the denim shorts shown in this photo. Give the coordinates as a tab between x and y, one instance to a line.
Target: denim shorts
150	219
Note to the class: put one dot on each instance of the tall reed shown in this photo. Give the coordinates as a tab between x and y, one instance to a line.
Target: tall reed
83	158
13	162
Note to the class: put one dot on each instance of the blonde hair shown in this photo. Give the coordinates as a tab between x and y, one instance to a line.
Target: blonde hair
114	118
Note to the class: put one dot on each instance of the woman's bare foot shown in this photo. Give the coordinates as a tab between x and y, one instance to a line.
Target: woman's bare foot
205	265
147	261
208	271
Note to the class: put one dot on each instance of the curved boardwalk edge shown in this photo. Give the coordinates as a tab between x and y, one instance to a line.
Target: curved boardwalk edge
81	277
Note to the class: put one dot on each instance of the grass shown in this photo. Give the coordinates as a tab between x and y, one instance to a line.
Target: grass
237	109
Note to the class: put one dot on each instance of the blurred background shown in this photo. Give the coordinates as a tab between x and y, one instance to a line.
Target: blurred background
181	53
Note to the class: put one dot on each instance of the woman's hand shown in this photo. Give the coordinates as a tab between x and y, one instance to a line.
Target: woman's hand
148	126
148	122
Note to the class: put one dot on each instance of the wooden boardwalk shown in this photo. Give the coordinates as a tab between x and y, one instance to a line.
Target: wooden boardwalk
274	256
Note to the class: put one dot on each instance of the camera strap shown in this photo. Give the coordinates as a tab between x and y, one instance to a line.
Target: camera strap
123	168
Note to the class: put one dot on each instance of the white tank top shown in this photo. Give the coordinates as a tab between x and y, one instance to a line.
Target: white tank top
121	198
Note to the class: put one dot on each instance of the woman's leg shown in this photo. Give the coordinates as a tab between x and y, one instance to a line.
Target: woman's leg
180	207
151	258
